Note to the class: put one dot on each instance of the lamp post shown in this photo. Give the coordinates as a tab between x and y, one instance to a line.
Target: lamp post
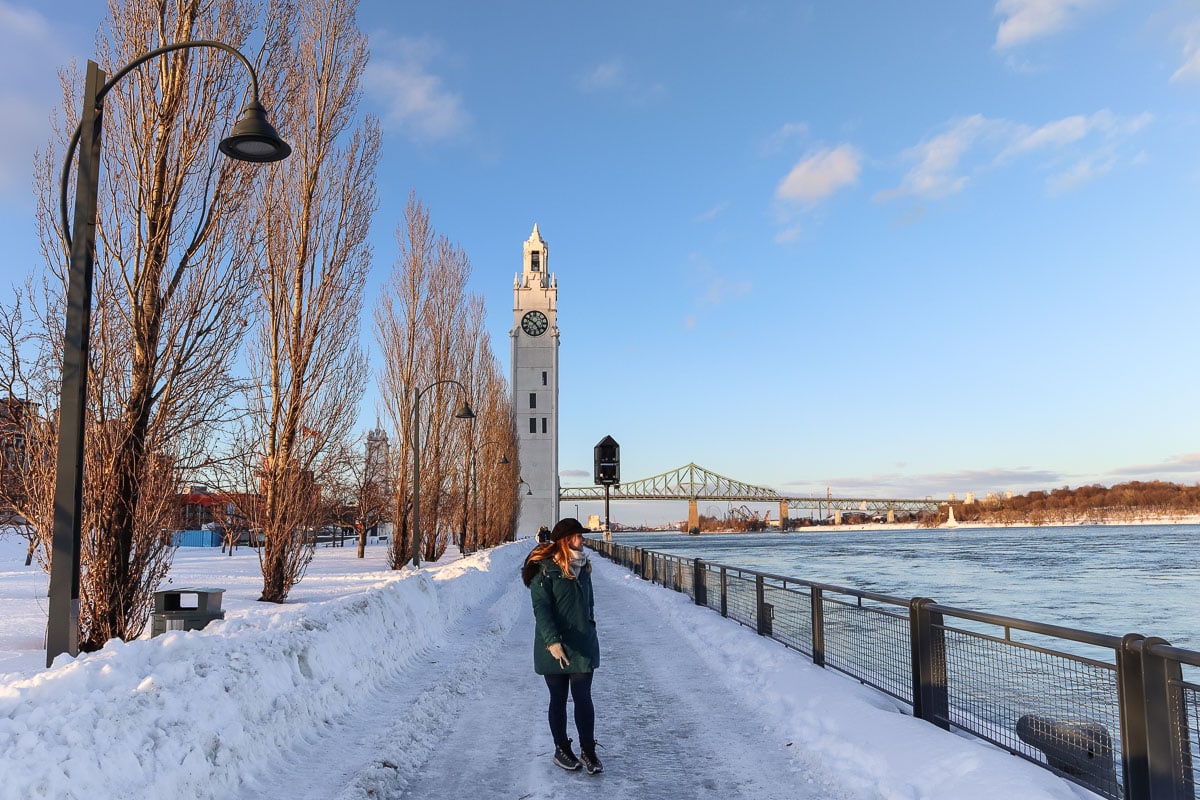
252	139
475	489
463	413
528	492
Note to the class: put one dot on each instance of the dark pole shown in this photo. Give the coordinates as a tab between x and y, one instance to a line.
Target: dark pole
416	555
474	502
62	625
463	413
607	527
470	457
252	139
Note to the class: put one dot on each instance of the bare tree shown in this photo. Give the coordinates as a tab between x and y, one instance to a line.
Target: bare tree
20	424
497	466
360	484
308	369
414	323
430	332
399	335
173	256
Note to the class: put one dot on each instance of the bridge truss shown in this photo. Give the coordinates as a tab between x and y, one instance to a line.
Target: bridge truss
692	482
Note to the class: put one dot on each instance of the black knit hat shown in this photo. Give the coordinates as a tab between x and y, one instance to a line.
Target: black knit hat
566	527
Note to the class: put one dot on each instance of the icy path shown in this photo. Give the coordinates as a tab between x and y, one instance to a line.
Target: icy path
467	719
378	685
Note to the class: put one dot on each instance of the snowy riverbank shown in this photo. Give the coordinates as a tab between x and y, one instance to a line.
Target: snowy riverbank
371	683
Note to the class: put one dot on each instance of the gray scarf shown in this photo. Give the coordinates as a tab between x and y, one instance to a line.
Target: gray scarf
578	559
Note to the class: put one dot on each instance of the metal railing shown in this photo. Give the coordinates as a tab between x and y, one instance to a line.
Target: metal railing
1118	715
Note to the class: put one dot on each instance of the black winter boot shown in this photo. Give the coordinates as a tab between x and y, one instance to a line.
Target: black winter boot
587	755
564	757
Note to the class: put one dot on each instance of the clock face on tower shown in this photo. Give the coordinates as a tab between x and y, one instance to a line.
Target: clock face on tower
534	323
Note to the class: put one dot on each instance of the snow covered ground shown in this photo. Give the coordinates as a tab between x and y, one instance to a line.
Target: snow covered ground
419	684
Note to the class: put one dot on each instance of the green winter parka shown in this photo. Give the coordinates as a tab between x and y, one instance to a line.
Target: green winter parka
565	611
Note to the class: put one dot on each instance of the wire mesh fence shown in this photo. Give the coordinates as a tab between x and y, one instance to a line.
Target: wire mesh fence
1120	716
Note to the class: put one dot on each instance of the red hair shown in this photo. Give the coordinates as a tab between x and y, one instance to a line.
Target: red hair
559	551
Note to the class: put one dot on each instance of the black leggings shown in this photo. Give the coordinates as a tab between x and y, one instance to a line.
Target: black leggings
580	686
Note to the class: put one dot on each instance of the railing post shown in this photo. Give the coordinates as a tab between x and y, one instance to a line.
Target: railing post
931	700
699	582
817	603
764	610
1168	753
724	593
1131	702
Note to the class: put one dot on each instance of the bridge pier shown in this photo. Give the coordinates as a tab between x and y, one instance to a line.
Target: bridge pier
837	516
783	515
693	516
891	515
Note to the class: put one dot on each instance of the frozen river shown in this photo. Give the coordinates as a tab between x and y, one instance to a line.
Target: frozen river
1113	579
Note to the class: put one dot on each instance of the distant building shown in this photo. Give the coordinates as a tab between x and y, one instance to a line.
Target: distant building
16	415
378	455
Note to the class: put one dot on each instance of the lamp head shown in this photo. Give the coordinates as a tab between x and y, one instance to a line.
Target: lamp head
253	139
465	412
503	459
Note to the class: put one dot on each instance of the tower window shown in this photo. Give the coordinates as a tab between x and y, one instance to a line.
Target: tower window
543	424
535	261
543	377
533	399
533	424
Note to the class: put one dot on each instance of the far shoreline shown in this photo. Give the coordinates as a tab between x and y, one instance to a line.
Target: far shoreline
883	527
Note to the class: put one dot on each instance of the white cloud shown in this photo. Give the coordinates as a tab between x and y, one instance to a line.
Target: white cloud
574	473
712	213
791	130
1023	20
821	174
1082	171
415	101
1175	465
1070	130
604	77
936	173
614	76
1059	132
937	484
721	291
788	235
1090	146
1190	69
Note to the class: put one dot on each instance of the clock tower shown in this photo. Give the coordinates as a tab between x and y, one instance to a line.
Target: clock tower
535	386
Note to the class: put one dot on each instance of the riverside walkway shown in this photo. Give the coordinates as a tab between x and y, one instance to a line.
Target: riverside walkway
689	705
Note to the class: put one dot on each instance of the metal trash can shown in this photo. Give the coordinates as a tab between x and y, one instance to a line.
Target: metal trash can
185	610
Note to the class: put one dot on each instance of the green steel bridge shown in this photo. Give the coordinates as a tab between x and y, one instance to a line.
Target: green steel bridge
694	483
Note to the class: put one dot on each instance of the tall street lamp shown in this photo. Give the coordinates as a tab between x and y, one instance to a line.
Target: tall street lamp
463	413
253	139
475	489
528	492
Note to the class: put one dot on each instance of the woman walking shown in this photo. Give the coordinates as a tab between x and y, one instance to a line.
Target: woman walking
565	647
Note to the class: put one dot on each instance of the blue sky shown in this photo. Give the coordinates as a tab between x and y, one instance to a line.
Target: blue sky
894	249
